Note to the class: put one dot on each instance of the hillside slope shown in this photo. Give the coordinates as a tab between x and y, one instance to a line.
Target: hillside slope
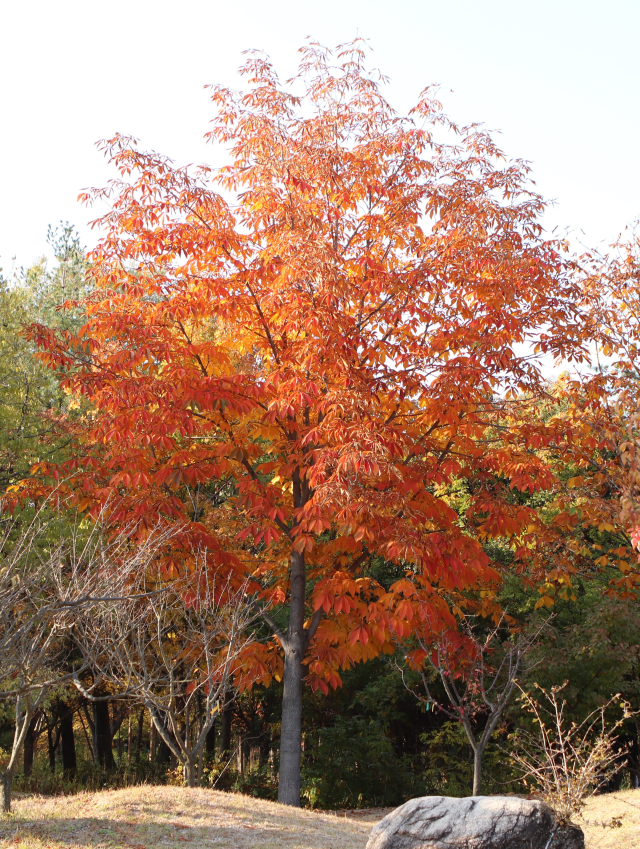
173	818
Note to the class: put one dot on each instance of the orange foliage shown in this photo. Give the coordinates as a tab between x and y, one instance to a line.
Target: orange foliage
300	353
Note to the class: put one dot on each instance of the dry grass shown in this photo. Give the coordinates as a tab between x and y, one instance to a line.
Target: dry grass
612	821
172	818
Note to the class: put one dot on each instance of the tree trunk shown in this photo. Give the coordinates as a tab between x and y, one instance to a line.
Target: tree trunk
30	743
189	773
53	745
102	734
153	738
210	740
67	741
5	791
139	735
225	730
129	738
23	722
91	740
477	770
163	752
240	756
294	650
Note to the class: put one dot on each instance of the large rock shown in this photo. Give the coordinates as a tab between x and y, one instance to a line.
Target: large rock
477	822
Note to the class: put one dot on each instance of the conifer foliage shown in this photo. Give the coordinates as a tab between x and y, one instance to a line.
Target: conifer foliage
296	354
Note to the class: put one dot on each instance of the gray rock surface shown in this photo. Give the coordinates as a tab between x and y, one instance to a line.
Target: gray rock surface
477	822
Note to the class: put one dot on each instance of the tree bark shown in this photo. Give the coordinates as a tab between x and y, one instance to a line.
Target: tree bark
53	745
189	773
66	712
129	738
23	721
163	752
102	735
88	736
225	730
30	742
5	791
477	770
210	743
139	735
153	740
294	647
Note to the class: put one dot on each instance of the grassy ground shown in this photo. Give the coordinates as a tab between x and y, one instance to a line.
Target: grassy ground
172	818
612	821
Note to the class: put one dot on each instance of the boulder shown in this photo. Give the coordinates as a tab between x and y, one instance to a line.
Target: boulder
477	822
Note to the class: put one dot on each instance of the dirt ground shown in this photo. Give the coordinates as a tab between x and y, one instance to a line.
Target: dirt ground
172	818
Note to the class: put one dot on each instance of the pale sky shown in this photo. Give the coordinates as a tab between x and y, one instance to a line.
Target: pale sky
559	79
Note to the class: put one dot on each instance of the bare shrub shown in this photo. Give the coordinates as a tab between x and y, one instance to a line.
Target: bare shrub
54	568
172	646
567	762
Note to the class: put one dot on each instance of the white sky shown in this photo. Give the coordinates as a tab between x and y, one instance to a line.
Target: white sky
559	78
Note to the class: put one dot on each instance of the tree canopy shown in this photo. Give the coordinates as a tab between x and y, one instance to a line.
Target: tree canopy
297	356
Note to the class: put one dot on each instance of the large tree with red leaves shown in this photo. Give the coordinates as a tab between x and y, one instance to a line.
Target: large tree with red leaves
295	356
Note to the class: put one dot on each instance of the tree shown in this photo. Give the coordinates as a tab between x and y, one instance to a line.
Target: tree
54	572
592	523
35	616
613	294
479	673
26	673
30	397
171	648
298	352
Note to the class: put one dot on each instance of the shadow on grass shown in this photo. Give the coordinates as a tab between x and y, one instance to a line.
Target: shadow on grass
103	832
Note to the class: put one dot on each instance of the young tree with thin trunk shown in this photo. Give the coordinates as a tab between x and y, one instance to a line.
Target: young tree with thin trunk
479	673
292	355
